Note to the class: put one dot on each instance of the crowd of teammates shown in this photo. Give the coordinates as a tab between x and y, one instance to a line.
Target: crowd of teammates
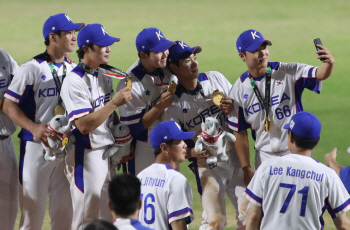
266	99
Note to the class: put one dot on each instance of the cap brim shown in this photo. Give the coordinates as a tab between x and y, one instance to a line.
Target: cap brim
184	136
162	46
74	26
287	126
186	54
108	41
256	45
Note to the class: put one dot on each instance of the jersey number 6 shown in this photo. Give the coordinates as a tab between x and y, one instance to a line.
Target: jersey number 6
148	206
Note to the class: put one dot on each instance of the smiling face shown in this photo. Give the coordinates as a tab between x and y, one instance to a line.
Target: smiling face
66	41
154	60
187	68
258	59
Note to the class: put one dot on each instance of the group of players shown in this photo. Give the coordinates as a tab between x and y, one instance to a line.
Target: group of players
264	99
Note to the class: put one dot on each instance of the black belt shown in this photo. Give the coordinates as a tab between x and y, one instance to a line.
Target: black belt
3	137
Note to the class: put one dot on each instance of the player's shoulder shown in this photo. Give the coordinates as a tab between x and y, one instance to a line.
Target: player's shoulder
4	56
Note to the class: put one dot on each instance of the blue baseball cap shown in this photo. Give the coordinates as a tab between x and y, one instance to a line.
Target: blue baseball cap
181	50
305	125
60	22
95	34
152	39
167	131
250	40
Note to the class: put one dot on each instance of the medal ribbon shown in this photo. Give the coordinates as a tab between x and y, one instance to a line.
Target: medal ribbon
265	103
88	69
55	75
116	73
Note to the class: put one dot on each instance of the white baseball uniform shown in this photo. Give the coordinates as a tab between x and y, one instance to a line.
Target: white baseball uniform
87	172
129	224
8	159
293	191
188	110
146	91
288	81
34	89
166	196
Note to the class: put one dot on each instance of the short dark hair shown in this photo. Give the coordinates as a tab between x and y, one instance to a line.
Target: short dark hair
124	194
304	143
81	52
100	225
158	150
146	52
47	40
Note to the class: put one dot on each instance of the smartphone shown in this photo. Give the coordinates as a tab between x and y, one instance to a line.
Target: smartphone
317	41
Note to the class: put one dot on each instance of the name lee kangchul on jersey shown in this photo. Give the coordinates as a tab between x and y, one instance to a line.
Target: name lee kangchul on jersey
297	173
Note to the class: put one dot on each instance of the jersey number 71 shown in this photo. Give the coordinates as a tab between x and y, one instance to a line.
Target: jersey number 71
292	188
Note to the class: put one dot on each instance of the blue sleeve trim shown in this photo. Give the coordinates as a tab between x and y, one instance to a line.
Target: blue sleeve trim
179	212
242	124
345	177
253	196
75	112
133	117
341	207
13	94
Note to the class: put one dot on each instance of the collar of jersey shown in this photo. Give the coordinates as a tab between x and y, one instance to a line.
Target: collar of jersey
166	165
273	65
140	72
42	57
180	89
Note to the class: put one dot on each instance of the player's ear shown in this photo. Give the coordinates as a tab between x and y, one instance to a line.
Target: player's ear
242	56
52	37
110	205
163	147
143	55
140	205
85	48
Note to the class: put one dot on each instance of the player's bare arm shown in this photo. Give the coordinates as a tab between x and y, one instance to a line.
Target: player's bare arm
242	149
91	121
227	105
326	68
165	101
191	153
179	224
254	217
342	222
39	131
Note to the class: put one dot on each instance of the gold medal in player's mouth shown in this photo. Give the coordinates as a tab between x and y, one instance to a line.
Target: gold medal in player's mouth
59	110
128	82
267	125
172	87
1	103
217	96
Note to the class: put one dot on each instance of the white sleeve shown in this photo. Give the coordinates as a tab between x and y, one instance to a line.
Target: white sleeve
75	97
254	191
224	83
180	200
24	76
132	111
338	197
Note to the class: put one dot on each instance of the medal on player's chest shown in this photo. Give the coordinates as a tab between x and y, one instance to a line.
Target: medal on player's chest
59	110
217	96
267	124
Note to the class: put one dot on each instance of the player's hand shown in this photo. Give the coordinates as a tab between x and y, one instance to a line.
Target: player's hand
191	153
69	59
248	174
122	96
326	54
166	99
227	105
42	132
126	158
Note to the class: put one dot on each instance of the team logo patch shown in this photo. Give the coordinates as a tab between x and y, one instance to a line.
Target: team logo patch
43	77
292	124
184	110
245	96
278	83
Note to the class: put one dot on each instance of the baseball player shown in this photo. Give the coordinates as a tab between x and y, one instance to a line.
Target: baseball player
166	194
342	172
192	103
149	97
124	201
8	158
292	191
267	95
32	99
91	103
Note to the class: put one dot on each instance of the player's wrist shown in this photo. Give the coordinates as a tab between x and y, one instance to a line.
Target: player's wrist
247	168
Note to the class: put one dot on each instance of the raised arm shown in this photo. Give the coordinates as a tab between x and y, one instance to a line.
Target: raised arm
326	68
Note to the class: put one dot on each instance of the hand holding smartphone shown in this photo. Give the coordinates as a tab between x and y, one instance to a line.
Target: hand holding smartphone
317	41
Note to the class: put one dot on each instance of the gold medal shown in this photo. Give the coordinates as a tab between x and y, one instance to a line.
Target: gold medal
1	104
65	141
128	82
172	87
267	125
59	110
217	96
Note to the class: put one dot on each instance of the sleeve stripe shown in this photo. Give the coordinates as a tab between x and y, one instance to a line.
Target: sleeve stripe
180	212
310	72
233	124
75	112
13	94
253	196
343	206
133	117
